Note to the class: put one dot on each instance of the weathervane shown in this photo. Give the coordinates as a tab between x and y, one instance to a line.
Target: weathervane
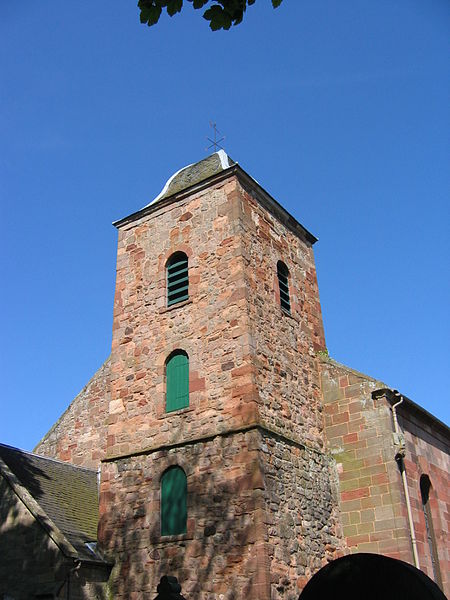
215	143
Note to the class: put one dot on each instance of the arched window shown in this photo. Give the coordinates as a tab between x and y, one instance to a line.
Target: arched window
177	381
173	502
425	487
283	284
177	278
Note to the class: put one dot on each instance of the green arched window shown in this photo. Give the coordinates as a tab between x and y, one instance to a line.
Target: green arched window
177	278
177	381
283	284
173	502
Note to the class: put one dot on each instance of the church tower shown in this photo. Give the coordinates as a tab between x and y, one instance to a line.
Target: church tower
215	469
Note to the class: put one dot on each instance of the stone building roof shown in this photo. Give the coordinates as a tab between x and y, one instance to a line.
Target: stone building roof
64	498
212	168
195	173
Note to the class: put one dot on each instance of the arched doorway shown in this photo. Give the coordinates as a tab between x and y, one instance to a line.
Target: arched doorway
370	577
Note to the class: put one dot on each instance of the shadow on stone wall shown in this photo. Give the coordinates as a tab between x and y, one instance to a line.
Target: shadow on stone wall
218	557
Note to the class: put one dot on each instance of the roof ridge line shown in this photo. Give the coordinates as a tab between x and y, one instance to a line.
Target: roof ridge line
49	458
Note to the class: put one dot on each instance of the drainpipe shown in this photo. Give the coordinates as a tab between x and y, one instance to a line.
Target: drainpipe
400	460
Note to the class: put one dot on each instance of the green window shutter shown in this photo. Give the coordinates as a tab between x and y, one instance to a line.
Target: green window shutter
177	278
173	502
177	382
283	284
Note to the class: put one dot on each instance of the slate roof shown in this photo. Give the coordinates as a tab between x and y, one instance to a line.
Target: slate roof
67	494
195	173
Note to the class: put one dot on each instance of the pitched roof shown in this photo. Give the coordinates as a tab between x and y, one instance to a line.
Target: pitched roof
213	168
195	173
66	494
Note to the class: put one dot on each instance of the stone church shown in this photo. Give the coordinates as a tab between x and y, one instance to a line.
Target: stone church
228	449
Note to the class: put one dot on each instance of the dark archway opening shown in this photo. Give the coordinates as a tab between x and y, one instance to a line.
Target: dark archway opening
370	577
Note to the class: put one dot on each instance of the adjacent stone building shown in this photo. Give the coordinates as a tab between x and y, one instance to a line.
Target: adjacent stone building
48	529
233	453
384	467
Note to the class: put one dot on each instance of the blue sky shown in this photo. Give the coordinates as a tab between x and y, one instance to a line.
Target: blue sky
339	109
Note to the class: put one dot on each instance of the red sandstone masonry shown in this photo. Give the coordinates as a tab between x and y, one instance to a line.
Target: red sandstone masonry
221	552
284	345
363	449
232	321
79	436
212	327
263	498
427	450
373	510
249	364
243	505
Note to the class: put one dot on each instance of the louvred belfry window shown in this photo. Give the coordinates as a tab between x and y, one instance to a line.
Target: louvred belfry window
283	284
177	278
177	381
173	502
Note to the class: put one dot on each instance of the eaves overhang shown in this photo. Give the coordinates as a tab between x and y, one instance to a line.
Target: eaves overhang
408	405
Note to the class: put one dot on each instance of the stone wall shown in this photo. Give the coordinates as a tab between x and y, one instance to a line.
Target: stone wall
302	514
266	505
359	428
253	502
262	517
79	435
284	345
359	432
212	326
249	360
222	554
428	453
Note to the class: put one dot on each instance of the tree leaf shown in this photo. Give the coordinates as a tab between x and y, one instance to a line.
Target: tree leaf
221	15
174	6
218	17
199	3
150	13
213	13
154	14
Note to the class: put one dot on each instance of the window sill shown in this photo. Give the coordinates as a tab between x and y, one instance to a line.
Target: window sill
180	411
162	540
290	315
166	309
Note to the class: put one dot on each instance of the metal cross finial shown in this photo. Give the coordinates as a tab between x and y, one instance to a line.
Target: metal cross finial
215	143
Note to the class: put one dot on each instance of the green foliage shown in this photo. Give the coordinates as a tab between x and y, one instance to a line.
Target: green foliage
222	14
